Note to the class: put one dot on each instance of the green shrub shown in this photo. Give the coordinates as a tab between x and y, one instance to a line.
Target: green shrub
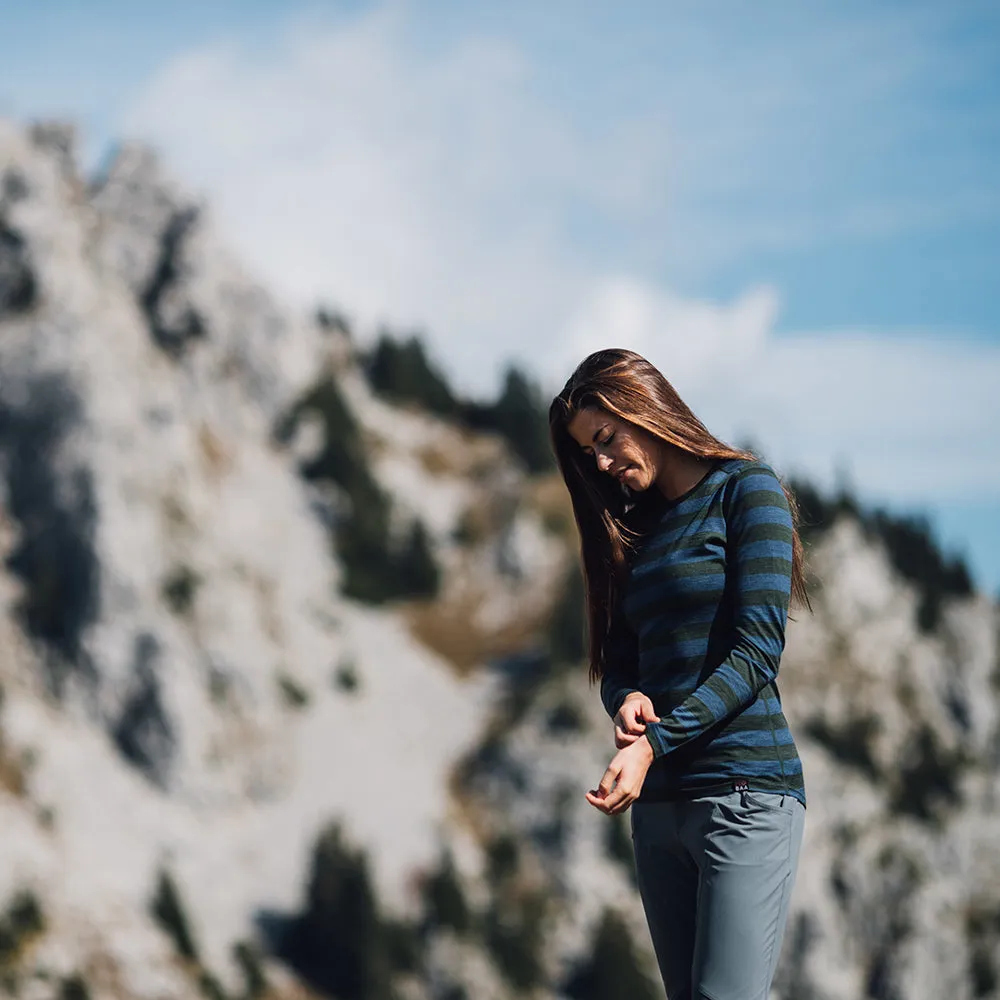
982	928
292	692
515	939
519	415
144	732
340	942
444	901
928	778
915	554
342	459
248	959
179	589
56	512
402	946
345	677
209	986
18	285
817	512
566	717
376	567
377	570
567	634
23	920
513	924
613	967
168	911
551	836
618	843
402	372
503	858
908	541
74	988
418	573
173	326
850	743
333	321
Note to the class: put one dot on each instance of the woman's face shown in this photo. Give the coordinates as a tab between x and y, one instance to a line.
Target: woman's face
622	450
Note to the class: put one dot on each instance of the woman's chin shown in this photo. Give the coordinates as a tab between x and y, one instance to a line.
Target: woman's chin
635	481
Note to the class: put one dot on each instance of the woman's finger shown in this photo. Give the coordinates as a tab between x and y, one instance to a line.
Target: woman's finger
632	723
598	796
618	800
624	739
622	806
646	712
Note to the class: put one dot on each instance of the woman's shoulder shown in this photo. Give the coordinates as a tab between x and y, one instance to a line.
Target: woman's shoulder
751	481
742	469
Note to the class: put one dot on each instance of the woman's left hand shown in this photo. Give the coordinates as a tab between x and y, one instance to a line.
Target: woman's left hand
622	781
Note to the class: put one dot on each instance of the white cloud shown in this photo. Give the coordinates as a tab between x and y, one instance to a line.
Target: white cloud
908	419
695	341
447	190
352	169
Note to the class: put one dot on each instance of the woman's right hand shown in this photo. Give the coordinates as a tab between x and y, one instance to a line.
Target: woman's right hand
630	721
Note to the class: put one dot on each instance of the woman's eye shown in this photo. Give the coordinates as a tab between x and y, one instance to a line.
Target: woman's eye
608	440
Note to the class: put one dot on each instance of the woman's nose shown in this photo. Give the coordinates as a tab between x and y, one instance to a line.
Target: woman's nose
603	463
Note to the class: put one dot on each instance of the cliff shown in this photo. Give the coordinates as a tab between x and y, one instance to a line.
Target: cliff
286	710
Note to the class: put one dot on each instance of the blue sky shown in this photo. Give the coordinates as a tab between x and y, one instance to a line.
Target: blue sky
792	209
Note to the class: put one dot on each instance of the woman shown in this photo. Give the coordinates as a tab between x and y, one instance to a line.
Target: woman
690	556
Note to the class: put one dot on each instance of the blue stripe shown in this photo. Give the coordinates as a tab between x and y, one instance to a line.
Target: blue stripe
766	515
679	582
766	647
715	705
760	481
763	706
685	718
754	738
766	548
735	681
765	581
759	768
679	650
715	525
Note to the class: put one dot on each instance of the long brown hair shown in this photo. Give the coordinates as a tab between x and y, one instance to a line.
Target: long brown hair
626	385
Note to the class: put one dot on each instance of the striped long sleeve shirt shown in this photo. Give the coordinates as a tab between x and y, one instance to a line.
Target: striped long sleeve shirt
700	628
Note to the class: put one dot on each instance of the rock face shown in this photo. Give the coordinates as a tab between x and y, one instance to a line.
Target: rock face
190	704
900	896
184	686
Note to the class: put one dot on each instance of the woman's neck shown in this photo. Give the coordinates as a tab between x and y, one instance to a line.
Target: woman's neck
680	472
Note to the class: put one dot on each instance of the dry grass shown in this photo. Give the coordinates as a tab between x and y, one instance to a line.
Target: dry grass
548	495
438	460
458	451
176	519
216	460
13	776
265	593
475	525
450	628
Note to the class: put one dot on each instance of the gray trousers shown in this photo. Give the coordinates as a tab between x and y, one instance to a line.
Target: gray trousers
715	875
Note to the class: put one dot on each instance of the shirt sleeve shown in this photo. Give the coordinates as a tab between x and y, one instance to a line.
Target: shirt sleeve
759	556
621	664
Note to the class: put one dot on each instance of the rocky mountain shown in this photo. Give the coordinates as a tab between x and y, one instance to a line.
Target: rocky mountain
292	701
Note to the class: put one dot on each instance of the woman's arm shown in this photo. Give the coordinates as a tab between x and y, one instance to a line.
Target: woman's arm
621	664
759	550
